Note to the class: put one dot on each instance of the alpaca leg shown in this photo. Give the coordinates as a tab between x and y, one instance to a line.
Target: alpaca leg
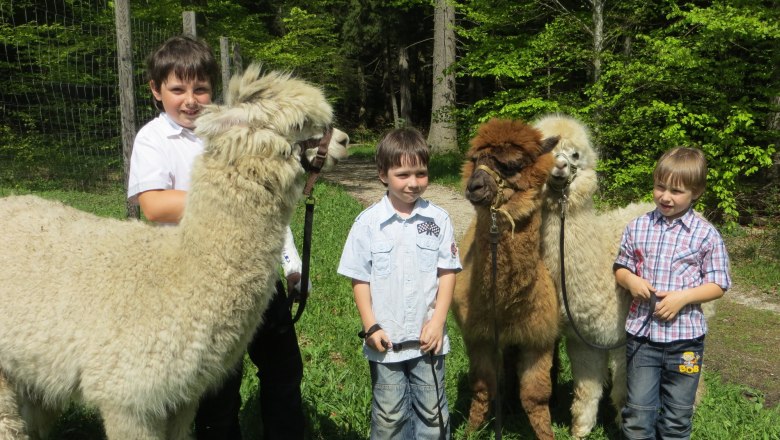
39	419
535	390
619	393
123	424
11	424
483	377
180	423
589	369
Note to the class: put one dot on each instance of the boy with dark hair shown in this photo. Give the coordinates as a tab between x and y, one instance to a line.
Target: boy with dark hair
402	258
182	72
675	255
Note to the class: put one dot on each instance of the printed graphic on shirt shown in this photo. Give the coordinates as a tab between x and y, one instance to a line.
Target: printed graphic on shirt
690	363
454	250
429	228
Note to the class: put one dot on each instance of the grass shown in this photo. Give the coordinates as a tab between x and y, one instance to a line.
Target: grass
755	254
336	386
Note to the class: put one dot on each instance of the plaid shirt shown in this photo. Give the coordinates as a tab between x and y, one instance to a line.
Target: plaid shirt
683	254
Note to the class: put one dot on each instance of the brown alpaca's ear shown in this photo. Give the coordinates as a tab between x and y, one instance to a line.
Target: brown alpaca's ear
549	143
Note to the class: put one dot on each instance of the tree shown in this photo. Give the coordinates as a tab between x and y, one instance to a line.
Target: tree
442	136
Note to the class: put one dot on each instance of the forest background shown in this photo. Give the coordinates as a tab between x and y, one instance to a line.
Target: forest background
643	75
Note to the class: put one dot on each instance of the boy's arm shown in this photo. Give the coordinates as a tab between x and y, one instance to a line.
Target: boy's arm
670	303
362	292
432	335
163	205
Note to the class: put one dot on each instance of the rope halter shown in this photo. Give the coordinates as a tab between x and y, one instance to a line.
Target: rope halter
499	199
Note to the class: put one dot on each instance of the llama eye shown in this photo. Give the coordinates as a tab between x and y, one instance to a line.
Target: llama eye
576	156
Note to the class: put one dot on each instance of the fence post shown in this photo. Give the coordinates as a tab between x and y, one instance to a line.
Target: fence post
189	24
126	90
224	56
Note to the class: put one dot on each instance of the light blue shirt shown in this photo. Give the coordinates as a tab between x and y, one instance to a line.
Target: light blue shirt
400	258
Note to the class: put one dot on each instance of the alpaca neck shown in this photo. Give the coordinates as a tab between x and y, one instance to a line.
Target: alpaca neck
236	217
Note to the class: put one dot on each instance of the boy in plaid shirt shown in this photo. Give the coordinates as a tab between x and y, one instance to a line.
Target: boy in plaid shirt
675	255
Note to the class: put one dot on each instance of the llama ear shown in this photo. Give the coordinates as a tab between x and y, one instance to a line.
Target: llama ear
549	143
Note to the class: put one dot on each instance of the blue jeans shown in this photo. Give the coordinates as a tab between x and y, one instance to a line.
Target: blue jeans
405	402
662	381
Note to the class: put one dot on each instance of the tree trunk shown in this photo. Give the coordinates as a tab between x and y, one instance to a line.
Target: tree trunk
598	49
774	124
442	136
404	88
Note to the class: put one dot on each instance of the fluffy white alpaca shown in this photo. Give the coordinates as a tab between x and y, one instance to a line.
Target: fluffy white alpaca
137	320
598	305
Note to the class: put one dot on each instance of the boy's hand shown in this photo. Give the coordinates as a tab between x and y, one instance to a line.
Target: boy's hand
669	304
378	341
639	287
432	337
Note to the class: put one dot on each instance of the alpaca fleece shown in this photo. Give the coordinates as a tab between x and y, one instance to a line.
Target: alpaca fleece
138	320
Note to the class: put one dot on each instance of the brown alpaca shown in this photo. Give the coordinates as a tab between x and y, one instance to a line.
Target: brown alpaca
527	309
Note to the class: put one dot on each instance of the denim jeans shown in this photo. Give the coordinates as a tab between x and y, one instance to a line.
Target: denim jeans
405	403
662	381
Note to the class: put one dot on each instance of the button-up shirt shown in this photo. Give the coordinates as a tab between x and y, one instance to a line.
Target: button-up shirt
399	258
673	255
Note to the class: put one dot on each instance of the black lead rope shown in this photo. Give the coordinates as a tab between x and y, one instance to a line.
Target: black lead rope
307	233
566	296
314	168
497	351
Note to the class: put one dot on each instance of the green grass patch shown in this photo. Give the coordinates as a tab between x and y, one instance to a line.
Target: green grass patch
755	258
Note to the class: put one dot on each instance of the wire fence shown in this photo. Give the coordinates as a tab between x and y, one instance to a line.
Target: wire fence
59	98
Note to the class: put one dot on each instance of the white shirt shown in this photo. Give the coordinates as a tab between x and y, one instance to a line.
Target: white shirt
163	154
400	258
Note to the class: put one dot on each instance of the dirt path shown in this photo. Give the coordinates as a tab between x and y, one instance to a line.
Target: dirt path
745	330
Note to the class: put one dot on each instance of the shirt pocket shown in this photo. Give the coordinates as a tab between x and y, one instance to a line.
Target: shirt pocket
427	253
686	265
380	257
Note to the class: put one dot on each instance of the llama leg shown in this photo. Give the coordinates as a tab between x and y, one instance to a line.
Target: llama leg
122	424
11	424
536	389
482	374
589	369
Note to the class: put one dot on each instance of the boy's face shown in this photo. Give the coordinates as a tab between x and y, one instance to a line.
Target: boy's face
405	184
672	199
182	100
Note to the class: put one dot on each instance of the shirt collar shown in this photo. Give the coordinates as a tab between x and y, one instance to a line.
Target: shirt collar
388	212
686	219
173	129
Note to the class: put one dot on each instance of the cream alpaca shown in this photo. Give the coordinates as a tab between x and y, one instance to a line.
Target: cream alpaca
137	320
597	304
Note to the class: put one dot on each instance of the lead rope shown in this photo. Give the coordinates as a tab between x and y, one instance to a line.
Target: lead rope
308	223
563	201
497	351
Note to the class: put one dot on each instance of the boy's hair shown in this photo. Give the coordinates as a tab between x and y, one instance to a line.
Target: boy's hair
683	166
401	146
189	58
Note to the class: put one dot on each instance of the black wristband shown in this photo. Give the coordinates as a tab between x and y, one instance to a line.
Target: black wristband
371	330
